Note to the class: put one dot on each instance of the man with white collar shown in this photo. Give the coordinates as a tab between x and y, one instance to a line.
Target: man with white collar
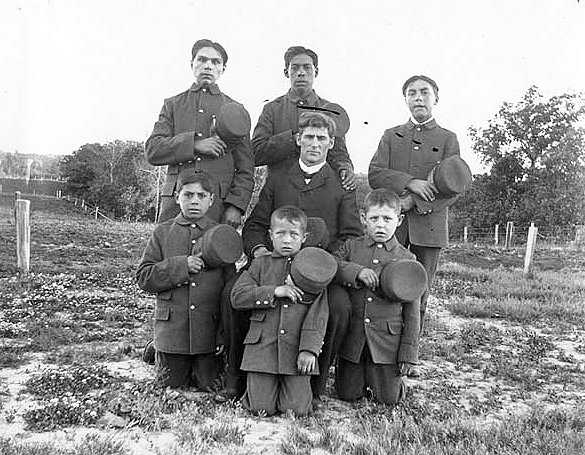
274	139
315	188
405	157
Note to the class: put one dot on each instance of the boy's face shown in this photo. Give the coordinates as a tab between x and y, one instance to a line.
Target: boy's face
194	200
286	237
381	222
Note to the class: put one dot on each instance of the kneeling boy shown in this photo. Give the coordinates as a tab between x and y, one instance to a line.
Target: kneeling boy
285	334
381	344
187	329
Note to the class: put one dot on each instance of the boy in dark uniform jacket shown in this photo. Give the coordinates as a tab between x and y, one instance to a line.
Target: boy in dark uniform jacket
381	343
405	156
187	330
285	335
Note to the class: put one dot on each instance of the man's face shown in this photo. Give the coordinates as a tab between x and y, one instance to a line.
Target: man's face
286	237
301	72
207	65
315	143
420	98
380	222
194	200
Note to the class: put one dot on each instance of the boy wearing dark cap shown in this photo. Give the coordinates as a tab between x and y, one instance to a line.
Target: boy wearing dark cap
273	140
286	332
187	331
402	163
381	343
185	136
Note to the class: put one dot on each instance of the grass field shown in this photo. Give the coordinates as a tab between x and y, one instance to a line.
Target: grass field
503	359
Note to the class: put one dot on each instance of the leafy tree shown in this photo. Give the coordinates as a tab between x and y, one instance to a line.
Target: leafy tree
115	176
536	151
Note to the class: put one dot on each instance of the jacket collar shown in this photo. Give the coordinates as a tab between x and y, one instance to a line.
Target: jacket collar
202	223
310	100
213	88
390	244
319	178
428	125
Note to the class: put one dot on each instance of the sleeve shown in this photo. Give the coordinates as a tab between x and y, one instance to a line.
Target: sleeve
156	273
379	173
243	182
255	231
248	294
408	351
348	219
163	147
338	157
347	272
314	325
268	147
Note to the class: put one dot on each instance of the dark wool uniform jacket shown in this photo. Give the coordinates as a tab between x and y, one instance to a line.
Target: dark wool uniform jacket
187	311
279	329
409	152
390	328
185	118
273	141
323	196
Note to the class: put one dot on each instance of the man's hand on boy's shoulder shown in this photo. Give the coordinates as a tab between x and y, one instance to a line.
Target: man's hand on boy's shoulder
306	362
403	368
369	278
232	216
195	263
260	251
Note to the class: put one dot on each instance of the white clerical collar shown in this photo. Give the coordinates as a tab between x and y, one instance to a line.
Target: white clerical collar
419	123
311	169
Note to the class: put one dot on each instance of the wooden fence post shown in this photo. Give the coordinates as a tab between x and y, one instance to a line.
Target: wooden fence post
509	234
496	234
22	207
530	244
465	234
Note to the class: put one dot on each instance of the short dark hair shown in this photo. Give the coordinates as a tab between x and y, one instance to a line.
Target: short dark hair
317	120
421	77
293	51
290	213
381	197
191	175
208	43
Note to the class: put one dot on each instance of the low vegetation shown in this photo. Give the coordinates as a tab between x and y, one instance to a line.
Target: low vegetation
503	360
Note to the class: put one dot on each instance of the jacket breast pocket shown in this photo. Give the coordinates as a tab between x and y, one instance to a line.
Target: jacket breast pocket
394	327
162	313
162	310
255	330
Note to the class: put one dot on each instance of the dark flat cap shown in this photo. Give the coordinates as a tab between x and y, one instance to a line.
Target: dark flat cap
232	122
220	245
403	279
452	176
312	269
317	233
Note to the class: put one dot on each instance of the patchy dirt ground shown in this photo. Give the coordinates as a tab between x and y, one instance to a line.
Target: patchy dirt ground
80	309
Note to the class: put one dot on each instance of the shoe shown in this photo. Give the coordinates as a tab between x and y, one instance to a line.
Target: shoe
414	372
149	353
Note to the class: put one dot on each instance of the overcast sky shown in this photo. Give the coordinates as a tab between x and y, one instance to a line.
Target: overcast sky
73	72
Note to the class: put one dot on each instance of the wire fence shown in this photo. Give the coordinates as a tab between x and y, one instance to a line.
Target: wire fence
500	235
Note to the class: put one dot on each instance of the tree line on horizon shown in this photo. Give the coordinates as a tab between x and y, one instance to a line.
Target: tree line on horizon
534	150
